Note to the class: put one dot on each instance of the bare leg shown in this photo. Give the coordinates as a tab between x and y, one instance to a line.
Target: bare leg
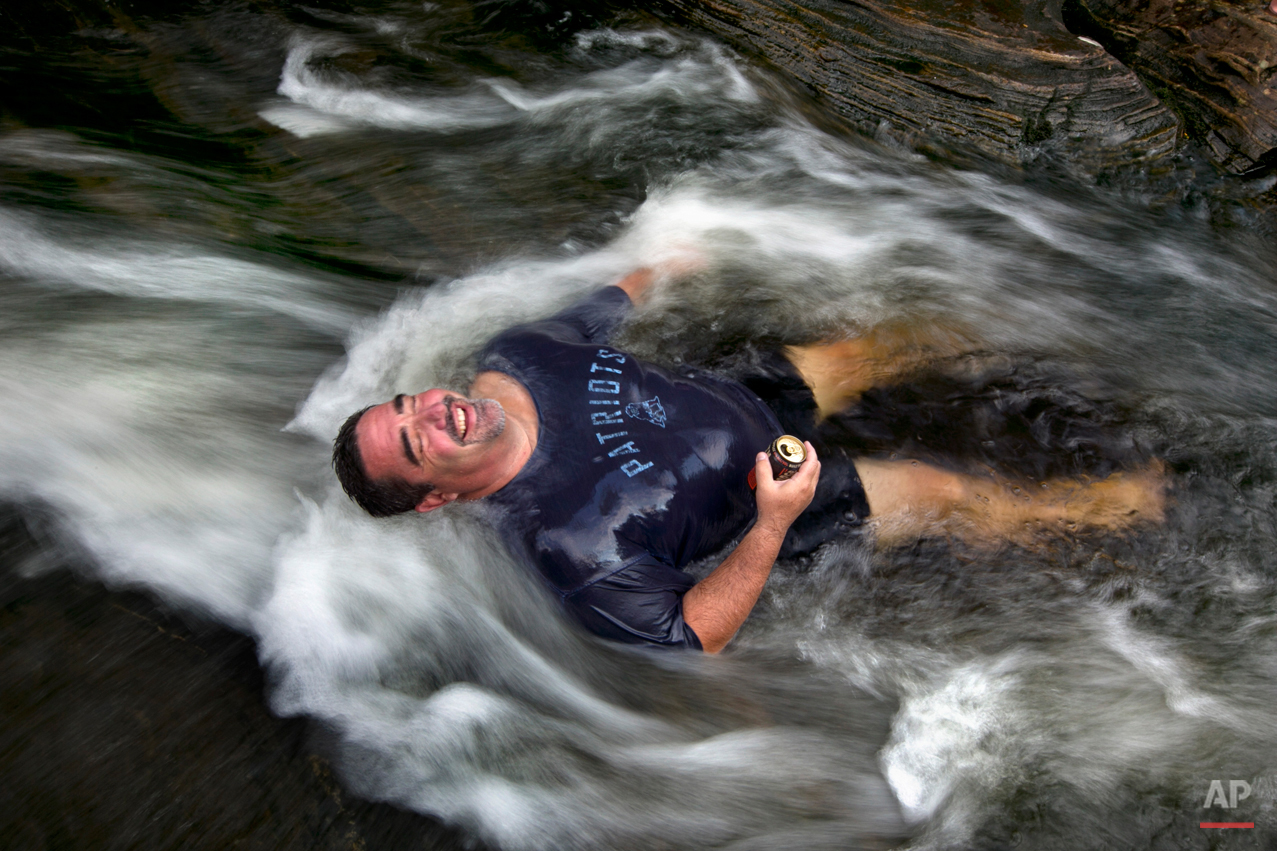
839	372
910	500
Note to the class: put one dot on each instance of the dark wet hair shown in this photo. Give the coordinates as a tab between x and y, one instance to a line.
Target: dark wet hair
379	497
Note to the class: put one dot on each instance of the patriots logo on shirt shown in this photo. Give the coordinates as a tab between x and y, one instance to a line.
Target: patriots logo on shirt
649	411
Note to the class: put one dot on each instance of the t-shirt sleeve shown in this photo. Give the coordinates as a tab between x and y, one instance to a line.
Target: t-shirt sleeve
640	604
596	316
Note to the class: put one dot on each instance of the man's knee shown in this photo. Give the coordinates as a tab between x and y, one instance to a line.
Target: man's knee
940	491
897	487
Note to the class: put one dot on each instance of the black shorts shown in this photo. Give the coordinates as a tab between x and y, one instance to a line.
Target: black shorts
840	503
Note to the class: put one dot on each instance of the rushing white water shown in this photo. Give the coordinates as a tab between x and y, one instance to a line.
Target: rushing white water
318	105
169	396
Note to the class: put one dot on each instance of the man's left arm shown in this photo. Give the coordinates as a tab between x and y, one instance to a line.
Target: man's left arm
716	606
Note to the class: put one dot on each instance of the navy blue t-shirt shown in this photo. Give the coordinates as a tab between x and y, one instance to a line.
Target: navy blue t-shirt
637	471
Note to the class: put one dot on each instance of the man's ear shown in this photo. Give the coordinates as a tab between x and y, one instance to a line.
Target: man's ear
434	500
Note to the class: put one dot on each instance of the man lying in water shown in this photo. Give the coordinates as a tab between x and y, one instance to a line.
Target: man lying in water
614	473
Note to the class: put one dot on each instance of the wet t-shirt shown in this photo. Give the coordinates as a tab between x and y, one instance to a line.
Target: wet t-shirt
637	471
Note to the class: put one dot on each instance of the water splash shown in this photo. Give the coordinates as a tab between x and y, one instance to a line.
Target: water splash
147	375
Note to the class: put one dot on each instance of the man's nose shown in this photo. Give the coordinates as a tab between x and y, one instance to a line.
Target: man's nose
433	414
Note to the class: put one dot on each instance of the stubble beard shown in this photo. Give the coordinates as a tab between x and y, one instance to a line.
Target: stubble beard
489	422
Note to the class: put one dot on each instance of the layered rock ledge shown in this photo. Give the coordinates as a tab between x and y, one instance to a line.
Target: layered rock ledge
1004	79
1213	61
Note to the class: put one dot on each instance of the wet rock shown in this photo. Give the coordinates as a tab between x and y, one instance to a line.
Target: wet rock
123	726
1007	80
1213	61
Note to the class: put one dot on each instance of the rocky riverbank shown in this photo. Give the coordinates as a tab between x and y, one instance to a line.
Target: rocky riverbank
1212	62
1173	96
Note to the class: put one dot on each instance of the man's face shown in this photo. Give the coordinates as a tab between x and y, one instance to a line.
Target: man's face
436	437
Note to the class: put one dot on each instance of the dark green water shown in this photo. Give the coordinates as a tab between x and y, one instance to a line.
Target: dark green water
225	226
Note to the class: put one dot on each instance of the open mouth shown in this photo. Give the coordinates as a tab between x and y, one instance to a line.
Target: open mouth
459	417
474	420
458	420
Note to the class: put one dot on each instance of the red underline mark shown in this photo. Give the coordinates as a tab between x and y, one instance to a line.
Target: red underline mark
1227	824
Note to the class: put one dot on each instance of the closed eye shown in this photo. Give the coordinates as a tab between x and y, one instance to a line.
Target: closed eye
407	447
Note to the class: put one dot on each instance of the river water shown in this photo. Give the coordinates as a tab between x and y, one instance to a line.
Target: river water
222	230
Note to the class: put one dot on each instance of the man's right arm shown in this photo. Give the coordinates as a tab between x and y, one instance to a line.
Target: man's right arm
680	261
716	606
636	283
